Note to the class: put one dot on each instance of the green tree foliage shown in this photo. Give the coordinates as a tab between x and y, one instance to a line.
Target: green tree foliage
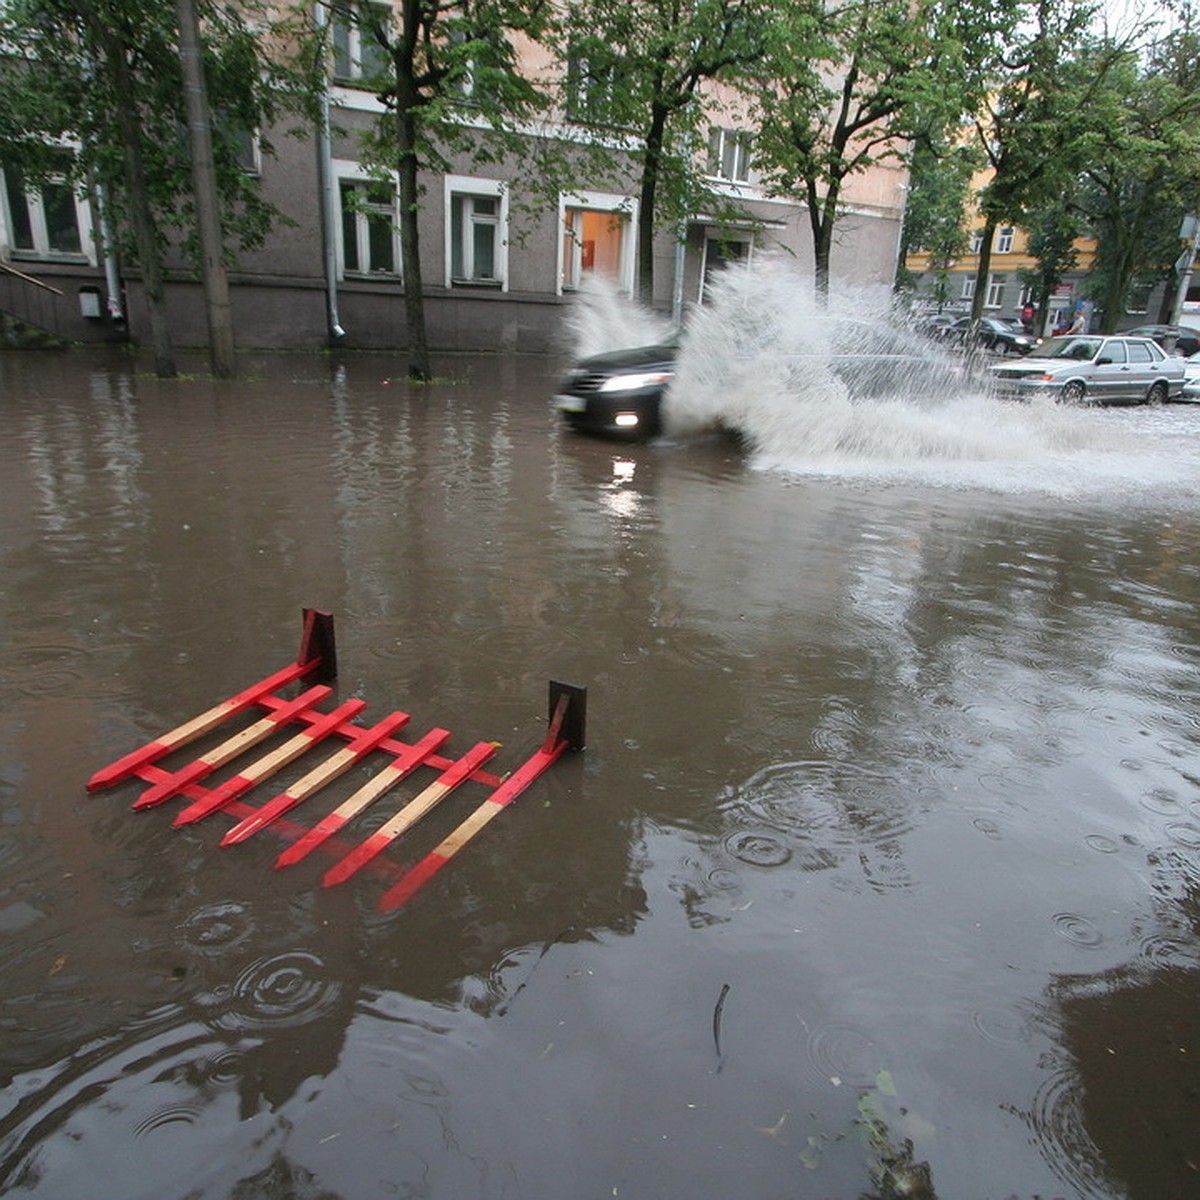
844	86
938	191
639	70
1037	124
103	77
1052	230
1143	168
448	81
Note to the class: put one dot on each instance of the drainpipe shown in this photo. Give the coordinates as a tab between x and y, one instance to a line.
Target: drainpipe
329	206
1185	265
112	278
677	282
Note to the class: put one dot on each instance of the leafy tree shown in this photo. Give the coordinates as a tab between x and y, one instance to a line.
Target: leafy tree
1052	231
448	80
641	69
844	86
939	185
105	77
1143	174
1038	122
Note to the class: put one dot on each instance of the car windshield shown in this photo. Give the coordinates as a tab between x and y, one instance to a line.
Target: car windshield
1078	348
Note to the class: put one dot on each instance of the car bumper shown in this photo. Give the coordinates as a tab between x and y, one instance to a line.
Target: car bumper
629	416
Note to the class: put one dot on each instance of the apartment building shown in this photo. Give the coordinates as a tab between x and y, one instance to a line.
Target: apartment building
496	275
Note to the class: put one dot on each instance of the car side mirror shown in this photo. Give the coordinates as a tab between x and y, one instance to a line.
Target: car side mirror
1104	361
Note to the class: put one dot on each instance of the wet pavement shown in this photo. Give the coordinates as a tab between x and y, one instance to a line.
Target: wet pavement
880	873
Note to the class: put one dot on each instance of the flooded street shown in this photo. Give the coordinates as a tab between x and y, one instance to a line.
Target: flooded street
879	875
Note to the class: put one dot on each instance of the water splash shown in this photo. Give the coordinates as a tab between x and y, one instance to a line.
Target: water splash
805	388
602	319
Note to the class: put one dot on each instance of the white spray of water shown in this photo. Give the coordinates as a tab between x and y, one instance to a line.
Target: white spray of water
764	359
601	319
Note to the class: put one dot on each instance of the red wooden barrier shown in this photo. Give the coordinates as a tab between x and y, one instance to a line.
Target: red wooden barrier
317	662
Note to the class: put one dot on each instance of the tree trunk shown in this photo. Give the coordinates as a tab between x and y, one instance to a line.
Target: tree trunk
204	187
822	216
141	215
655	138
984	269
410	246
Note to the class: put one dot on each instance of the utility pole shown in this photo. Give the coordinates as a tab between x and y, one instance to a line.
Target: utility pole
204	186
1185	264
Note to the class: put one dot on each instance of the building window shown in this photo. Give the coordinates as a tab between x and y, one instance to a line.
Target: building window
968	288
976	241
357	52
729	154
1004	239
720	253
591	87
46	221
995	291
593	240
477	217
1138	302
369	234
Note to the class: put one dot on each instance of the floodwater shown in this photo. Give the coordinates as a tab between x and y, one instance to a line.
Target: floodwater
879	875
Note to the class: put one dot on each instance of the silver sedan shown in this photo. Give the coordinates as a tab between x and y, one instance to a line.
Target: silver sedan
1090	369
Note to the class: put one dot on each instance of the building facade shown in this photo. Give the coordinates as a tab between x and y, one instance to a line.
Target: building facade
497	267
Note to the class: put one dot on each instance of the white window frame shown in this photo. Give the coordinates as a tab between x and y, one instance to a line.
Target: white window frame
39	230
968	288
976	241
467	186
740	237
354	45
1005	236
624	207
725	144
997	281
352	172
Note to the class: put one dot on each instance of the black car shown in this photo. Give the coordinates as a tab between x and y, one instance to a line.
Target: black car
1002	335
620	394
1178	339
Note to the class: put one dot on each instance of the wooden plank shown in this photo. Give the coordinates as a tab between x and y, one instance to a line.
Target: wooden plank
229	749
420	874
399	768
410	813
267	766
189	731
336	764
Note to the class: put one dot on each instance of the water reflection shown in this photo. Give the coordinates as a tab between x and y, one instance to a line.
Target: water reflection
897	778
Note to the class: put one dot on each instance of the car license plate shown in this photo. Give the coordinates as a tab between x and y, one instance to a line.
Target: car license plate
570	403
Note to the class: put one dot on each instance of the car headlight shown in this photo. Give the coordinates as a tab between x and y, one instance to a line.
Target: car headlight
631	383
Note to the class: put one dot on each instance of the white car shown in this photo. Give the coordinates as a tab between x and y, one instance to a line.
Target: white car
1091	369
1191	379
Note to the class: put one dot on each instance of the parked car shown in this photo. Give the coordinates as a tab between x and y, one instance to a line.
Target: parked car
620	394
1001	334
934	324
1191	379
1089	369
1183	339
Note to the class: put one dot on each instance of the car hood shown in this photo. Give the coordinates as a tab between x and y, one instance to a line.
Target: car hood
1032	365
636	356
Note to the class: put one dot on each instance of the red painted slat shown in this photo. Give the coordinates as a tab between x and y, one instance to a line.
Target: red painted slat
339	762
266	766
230	748
129	765
420	874
410	813
403	765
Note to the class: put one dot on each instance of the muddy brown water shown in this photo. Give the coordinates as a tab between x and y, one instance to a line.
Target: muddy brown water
880	871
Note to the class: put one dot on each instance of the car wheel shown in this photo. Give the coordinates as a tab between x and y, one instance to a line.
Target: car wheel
1001	347
1072	393
1157	393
